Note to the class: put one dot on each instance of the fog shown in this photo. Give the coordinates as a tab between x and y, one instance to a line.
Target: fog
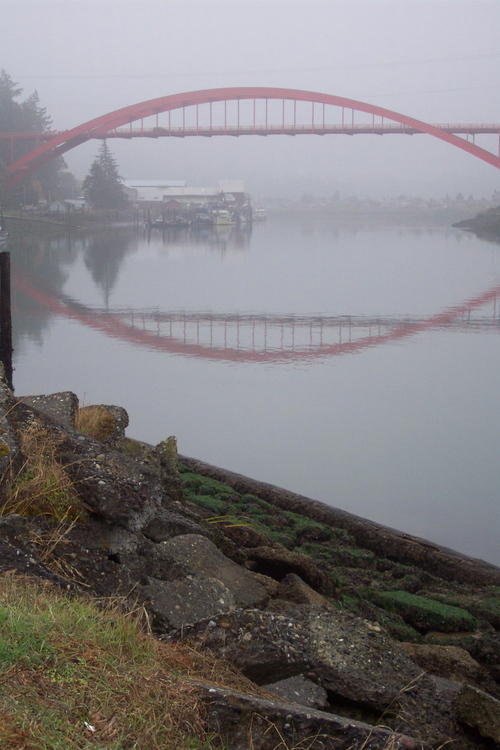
435	60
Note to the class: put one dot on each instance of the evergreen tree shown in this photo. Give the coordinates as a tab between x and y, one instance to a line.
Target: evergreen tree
103	187
18	117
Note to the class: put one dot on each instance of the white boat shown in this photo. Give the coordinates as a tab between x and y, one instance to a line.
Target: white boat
260	213
203	218
222	217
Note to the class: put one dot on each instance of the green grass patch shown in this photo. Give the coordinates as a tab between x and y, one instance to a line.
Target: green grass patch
213	504
200	485
422	613
75	676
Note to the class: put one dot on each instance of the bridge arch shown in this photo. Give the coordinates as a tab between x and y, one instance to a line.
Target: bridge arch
101	126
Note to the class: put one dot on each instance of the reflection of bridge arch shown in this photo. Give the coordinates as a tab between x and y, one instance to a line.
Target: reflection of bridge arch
260	338
108	125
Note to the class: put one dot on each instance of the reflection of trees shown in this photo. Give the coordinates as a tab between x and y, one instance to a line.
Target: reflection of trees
46	261
103	254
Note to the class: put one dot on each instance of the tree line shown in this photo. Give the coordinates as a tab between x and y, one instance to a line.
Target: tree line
102	188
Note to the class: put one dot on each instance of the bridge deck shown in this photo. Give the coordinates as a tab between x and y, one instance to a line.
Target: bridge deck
263	130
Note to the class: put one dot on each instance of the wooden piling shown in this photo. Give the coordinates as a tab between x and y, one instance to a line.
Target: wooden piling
5	317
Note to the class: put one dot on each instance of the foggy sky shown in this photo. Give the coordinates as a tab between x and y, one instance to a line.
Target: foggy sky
436	60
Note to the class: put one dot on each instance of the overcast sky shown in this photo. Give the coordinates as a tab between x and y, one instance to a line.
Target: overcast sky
436	60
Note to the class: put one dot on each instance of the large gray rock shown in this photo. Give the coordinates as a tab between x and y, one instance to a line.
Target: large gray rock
356	660
61	407
165	462
451	662
479	710
278	562
300	690
167	524
245	721
266	647
201	558
366	674
184	602
293	589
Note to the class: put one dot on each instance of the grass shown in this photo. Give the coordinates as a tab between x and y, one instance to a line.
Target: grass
95	421
74	675
196	485
424	613
42	487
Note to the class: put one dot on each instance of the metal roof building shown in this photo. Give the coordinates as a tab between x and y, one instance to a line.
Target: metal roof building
151	193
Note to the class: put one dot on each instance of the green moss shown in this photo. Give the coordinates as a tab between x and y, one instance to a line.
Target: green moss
133	447
213	504
269	531
350	602
423	613
356	552
256	502
204	486
489	609
398	628
492	604
316	550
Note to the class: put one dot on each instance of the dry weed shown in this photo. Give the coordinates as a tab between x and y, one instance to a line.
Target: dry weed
95	421
42	486
47	545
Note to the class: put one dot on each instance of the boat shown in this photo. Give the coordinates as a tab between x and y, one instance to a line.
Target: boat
260	214
222	217
203	218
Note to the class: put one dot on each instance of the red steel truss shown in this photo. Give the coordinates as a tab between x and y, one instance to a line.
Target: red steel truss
112	125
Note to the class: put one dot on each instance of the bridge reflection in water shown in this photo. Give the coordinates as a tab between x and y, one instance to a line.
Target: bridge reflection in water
240	337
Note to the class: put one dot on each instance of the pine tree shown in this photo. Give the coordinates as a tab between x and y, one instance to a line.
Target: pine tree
103	187
27	116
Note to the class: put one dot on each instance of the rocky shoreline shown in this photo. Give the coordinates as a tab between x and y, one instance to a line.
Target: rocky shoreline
353	634
486	224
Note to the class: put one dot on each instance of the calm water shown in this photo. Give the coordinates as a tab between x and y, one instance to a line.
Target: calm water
358	366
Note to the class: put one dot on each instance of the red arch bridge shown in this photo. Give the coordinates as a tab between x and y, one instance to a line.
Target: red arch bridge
276	338
254	111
